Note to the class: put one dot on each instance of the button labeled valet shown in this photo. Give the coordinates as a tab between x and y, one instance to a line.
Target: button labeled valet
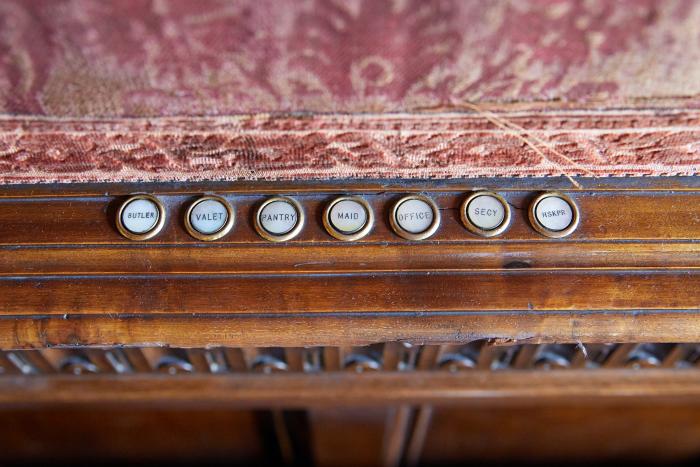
279	219
348	218
485	213
554	215
415	217
209	218
140	217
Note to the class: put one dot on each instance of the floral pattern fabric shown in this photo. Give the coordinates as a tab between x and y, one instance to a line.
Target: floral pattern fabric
137	89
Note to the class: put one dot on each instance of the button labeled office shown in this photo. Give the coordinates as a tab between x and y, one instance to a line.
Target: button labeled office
140	217
279	219
554	215
348	218
485	213
415	217
209	218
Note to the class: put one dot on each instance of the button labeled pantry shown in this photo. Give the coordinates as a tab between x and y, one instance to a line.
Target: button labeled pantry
209	218
554	215
140	217
415	217
485	213
279	219
348	218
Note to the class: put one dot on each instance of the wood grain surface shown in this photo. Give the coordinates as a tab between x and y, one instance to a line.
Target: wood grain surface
629	273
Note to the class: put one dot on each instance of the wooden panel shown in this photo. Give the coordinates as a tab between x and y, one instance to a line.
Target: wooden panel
628	274
644	433
381	292
94	434
90	220
348	436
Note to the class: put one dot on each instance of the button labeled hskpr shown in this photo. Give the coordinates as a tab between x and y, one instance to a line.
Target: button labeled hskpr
554	215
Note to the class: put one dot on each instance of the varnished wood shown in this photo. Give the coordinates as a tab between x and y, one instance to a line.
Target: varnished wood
371	389
628	274
332	328
89	220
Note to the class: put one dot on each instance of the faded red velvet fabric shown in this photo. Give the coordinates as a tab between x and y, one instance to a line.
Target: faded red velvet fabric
182	90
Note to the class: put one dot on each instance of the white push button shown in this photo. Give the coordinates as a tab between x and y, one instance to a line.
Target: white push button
486	212
348	216
140	216
554	213
279	219
208	216
414	216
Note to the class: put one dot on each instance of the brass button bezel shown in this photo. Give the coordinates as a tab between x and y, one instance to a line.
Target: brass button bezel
415	236
328	224
225	229
287	236
473	228
155	230
575	217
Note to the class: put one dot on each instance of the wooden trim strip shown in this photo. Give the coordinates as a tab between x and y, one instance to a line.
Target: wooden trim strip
296	391
229	260
349	330
415	292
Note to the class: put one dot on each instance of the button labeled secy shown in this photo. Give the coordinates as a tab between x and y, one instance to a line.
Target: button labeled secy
486	212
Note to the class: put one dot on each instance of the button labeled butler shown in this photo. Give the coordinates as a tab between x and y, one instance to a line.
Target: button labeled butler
140	217
279	219
348	218
415	217
209	218
485	213
554	215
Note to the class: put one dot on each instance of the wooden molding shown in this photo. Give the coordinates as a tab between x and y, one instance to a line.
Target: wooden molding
629	273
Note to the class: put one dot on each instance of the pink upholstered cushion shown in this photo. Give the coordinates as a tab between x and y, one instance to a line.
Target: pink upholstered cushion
181	90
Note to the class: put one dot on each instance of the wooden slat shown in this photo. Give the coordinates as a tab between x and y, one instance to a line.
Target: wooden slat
295	390
410	292
604	216
284	259
333	329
